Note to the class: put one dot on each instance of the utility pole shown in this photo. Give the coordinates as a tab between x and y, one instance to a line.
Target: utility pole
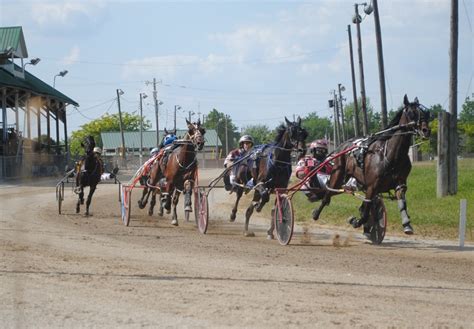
141	126
336	111
357	21
354	87
190	113
155	97
378	38
226	136
341	88
120	92
453	101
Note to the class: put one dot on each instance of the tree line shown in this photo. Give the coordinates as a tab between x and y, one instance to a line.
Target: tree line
317	127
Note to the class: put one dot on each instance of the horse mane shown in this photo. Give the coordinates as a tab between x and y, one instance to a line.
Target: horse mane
396	119
280	130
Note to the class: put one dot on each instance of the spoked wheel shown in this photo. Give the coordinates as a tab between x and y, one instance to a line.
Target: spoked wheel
60	196
126	198
283	218
376	232
201	209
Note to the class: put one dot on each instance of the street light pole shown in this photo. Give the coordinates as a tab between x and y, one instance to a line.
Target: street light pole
60	74
341	88
142	96
357	20
120	92
176	107
354	87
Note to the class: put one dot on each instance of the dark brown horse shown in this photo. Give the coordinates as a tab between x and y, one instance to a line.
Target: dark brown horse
273	167
88	173
385	164
176	171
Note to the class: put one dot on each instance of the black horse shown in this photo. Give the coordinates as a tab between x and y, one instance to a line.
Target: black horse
383	166
88	173
273	167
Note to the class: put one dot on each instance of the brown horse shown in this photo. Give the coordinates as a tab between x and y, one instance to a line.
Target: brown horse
273	167
176	171
384	166
88	173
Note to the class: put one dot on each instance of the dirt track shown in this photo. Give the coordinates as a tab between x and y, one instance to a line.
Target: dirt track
71	271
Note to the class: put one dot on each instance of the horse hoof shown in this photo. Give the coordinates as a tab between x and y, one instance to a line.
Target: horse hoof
141	205
270	237
168	211
232	217
315	214
174	222
248	234
77	210
150	212
407	229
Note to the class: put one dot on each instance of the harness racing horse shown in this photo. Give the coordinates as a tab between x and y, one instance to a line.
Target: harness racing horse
147	170
273	167
178	170
243	173
385	165
88	172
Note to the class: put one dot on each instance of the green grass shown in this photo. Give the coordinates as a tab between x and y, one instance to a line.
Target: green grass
430	216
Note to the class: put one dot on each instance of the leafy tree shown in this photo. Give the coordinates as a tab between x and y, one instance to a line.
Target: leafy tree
107	122
373	118
316	126
261	134
218	120
466	126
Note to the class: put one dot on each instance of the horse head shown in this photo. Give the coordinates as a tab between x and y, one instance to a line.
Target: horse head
88	144
415	115
297	135
196	133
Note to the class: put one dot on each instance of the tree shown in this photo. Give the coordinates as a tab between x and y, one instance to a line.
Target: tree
261	134
107	122
466	126
374	119
218	120
316	126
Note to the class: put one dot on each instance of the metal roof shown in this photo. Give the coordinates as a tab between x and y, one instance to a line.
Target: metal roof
13	37
33	84
113	139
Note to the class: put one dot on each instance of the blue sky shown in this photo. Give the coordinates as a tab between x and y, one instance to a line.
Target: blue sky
256	61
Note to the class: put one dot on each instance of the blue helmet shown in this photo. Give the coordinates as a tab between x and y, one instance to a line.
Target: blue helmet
169	139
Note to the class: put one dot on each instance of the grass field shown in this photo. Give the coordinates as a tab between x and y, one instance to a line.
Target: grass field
430	216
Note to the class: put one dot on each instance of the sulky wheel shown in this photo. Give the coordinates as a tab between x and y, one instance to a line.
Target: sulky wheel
201	209
283	218
125	204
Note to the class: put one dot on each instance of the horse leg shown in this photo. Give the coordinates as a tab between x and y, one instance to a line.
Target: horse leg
264	196
249	212
239	193
324	202
400	192
89	198
80	199
144	199
188	191
271	229
152	203
174	220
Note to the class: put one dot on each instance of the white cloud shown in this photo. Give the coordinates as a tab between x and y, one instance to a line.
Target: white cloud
61	13
72	57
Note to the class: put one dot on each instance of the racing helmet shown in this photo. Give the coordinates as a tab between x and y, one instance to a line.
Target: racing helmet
169	139
245	138
319	148
154	151
97	150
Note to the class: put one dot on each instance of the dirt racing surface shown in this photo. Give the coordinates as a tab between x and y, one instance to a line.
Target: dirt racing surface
70	271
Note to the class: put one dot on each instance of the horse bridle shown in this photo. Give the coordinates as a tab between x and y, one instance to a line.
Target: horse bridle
416	123
197	138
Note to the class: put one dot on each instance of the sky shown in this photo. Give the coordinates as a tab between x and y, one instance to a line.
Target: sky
256	61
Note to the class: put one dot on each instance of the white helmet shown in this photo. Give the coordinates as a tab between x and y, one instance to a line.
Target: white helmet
97	150
245	138
154	151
